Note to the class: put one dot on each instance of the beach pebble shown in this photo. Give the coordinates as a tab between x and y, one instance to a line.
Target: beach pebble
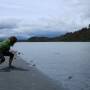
33	65
19	53
31	61
70	77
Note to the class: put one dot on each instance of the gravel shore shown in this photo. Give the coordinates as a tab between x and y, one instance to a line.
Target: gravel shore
24	77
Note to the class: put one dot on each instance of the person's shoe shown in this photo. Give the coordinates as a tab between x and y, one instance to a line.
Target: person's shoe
11	66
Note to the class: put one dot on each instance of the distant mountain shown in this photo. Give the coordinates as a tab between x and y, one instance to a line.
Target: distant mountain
39	39
54	36
81	35
38	33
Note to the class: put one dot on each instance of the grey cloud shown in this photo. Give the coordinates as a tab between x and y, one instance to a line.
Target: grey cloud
6	24
66	15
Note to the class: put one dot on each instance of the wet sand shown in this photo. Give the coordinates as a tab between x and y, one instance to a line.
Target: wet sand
25	77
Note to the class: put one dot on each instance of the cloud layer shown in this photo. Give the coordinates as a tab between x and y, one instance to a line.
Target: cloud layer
24	17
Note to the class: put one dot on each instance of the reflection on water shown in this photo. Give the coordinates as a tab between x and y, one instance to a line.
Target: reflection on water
68	63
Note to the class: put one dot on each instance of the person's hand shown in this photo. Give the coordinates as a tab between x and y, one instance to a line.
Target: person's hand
13	51
16	52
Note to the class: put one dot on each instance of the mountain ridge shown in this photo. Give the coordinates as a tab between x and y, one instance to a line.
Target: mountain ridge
82	35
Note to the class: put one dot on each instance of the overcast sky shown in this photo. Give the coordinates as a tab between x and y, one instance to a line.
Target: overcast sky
26	16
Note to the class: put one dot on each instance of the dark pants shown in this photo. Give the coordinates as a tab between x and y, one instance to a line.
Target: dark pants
2	58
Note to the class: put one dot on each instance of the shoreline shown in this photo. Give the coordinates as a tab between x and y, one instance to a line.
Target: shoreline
25	77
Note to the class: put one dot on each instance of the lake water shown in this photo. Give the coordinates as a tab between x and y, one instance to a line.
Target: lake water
66	62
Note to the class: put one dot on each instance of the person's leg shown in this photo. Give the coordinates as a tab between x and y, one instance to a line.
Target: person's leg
11	57
2	58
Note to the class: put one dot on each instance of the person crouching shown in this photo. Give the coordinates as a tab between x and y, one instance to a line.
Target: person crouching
5	49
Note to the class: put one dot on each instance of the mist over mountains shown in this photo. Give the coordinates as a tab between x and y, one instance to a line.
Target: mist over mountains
25	36
82	35
27	32
24	31
45	35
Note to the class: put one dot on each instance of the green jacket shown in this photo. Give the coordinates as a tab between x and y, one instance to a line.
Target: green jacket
5	45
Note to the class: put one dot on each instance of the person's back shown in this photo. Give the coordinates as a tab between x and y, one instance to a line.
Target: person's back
5	45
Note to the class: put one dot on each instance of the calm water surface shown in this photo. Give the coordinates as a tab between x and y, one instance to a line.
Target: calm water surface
67	63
